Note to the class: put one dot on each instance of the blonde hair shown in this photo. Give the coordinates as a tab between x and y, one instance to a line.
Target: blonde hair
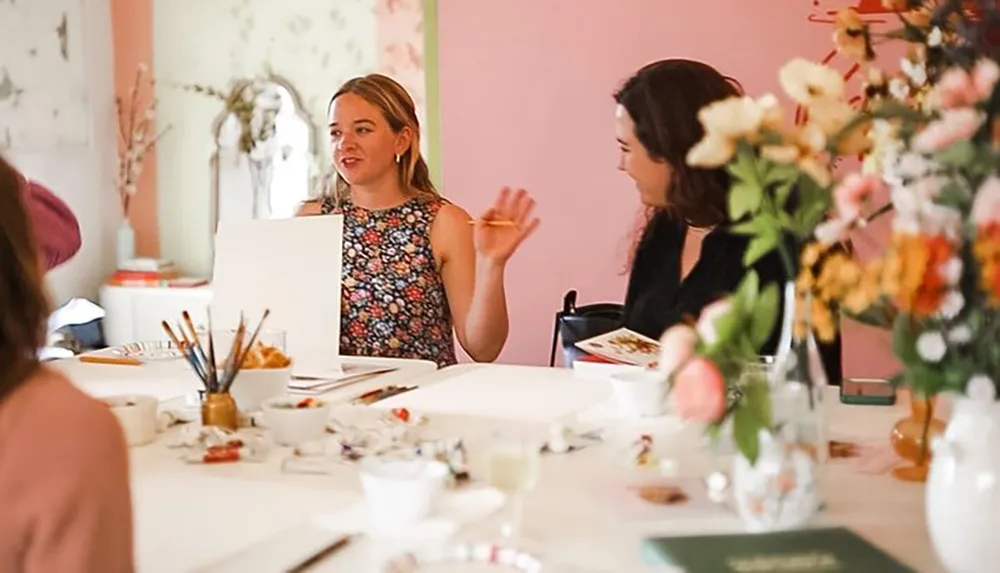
400	112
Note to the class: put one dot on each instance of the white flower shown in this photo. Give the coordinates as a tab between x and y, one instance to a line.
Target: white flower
831	231
981	388
951	271
935	37
931	346
952	304
805	81
960	334
916	71
899	89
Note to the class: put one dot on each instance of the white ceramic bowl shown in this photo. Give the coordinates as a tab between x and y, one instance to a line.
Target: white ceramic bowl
255	385
291	426
640	393
136	415
400	492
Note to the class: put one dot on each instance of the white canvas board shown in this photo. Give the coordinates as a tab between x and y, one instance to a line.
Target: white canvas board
290	266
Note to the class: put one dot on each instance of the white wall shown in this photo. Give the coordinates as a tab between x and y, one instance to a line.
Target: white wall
314	44
73	155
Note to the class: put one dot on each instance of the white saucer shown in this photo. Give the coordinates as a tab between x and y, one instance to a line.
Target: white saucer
455	508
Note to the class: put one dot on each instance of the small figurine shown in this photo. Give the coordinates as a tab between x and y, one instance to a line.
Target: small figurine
456	462
557	443
643	451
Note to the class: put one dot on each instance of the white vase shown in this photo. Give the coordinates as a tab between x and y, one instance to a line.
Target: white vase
125	243
963	496
780	491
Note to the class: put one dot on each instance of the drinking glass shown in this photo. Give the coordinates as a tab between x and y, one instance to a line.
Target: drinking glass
514	464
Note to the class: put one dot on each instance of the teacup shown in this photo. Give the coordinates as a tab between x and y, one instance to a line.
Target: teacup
640	393
401	492
136	415
294	420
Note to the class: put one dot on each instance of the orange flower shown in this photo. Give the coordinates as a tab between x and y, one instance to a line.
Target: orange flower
912	273
851	35
986	249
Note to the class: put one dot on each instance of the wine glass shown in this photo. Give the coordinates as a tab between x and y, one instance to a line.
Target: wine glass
514	465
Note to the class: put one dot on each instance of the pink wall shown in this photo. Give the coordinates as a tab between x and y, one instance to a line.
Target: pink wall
525	95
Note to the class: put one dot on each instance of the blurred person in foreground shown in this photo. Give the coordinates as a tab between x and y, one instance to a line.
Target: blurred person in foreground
65	502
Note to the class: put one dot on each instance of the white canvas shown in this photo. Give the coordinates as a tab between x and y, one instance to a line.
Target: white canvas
290	266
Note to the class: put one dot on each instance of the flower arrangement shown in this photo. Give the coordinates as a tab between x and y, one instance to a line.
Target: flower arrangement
254	102
136	136
705	363
938	283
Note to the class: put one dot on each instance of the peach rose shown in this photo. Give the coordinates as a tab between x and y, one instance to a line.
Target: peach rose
986	205
955	125
676	346
852	192
699	392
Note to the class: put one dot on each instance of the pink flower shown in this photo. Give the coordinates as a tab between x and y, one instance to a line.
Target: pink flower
709	315
699	392
984	77
854	190
956	89
954	125
986	205
676	347
832	231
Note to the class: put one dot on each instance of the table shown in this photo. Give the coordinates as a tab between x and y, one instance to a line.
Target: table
134	313
252	517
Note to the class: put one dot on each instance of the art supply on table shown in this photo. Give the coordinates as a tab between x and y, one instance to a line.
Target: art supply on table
379	394
218	406
120	361
322	554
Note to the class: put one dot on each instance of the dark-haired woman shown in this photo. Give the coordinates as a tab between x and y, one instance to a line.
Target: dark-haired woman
64	484
684	257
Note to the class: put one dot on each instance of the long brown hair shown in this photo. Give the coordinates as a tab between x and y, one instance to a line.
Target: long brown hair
399	111
24	305
663	99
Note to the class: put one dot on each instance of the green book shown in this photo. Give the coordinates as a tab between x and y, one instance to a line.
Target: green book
823	550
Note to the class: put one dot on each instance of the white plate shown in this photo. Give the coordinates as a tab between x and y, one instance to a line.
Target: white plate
156	350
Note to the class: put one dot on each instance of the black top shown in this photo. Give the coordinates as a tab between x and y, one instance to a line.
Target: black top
657	299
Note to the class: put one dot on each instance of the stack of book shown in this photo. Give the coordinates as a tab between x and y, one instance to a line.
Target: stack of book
147	272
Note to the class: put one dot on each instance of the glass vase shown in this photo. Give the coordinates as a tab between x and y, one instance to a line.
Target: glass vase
911	438
124	243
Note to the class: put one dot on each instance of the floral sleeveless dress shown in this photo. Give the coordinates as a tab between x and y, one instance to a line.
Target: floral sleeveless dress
392	302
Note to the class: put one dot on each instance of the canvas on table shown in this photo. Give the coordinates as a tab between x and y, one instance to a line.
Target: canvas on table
290	266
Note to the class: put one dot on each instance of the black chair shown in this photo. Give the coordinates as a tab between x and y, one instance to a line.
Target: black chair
575	323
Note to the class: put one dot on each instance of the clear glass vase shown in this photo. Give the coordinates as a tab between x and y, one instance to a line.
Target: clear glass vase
781	488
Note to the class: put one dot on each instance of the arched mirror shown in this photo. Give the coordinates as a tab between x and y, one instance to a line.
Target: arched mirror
265	153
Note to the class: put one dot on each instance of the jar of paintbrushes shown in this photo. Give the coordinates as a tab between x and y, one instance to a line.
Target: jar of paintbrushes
217	368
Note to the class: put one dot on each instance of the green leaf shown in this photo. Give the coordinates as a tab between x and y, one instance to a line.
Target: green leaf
781	193
783	173
744	167
904	340
744	198
960	154
752	414
762	244
765	313
751	227
727	327
748	289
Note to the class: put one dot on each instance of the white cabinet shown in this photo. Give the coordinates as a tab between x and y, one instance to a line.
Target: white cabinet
134	314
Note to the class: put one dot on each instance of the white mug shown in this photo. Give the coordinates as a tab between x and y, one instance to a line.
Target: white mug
640	393
137	416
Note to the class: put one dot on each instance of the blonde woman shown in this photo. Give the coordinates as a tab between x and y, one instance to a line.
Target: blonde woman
416	267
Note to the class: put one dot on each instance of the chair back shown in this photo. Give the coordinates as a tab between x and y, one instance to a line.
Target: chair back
575	323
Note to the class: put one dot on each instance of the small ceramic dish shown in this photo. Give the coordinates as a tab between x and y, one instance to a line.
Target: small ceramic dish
294	420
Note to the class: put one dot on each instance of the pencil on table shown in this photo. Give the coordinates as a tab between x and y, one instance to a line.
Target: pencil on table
110	360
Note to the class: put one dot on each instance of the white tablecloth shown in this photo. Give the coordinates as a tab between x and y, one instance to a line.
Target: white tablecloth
251	517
